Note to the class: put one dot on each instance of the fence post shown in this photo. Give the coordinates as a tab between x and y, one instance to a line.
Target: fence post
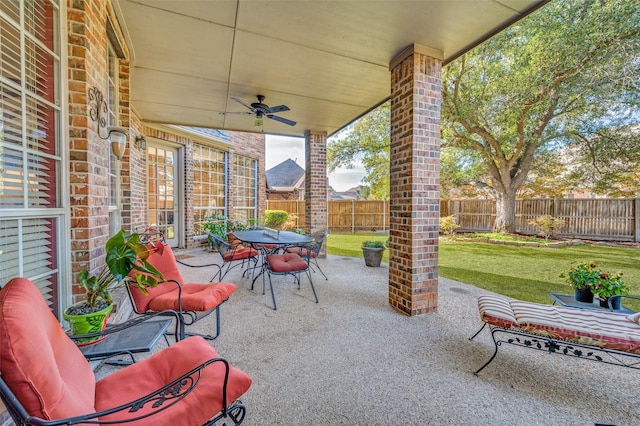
353	217
384	215
636	217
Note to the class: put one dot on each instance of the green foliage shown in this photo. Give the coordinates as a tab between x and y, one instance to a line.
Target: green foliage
609	285
373	244
582	275
448	225
123	255
275	218
547	224
216	224
365	142
569	69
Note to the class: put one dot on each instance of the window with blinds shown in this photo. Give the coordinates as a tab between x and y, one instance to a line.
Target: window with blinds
30	209
209	184
245	190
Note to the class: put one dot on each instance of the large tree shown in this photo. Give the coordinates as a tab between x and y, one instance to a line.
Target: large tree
563	74
366	141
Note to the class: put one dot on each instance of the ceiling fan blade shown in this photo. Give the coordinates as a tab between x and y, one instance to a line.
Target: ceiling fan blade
234	113
282	120
240	101
279	108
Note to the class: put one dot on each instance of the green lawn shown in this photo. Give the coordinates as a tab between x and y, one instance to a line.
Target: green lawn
525	273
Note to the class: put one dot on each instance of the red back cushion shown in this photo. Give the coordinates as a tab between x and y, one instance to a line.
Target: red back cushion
42	366
164	261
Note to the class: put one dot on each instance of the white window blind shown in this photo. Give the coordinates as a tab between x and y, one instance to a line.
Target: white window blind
30	208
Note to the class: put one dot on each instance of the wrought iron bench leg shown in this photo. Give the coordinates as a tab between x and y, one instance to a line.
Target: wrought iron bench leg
478	332
495	352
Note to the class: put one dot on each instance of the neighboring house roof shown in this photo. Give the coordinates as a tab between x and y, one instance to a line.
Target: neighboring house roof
285	177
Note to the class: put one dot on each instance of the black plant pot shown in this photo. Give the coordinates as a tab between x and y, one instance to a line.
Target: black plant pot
584	295
615	303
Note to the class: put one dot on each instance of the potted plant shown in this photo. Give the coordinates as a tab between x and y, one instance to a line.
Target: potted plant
582	278
372	252
123	255
609	285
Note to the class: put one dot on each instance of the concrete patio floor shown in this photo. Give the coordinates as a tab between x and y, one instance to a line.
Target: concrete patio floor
353	360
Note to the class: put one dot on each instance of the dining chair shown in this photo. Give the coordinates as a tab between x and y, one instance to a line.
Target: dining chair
232	256
286	264
46	380
311	250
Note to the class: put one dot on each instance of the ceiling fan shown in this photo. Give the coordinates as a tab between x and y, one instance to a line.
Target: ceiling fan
261	110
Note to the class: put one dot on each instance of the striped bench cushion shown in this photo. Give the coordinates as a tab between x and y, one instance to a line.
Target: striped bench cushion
603	329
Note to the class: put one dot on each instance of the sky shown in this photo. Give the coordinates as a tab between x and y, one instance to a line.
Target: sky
280	148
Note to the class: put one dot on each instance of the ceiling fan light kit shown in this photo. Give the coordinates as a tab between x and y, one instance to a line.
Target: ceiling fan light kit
261	110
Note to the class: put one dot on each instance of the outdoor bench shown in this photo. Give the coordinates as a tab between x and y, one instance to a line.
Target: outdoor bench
599	335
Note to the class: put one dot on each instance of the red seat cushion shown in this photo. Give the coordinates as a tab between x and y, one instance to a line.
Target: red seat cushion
302	251
287	262
156	371
195	297
239	254
42	366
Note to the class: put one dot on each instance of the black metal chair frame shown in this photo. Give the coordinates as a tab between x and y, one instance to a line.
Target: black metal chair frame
161	399
295	274
223	247
150	235
314	247
557	346
185	317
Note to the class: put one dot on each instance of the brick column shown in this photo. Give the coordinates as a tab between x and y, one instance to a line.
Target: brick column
315	183
416	87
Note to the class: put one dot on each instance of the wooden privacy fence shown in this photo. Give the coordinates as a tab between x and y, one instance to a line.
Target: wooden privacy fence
343	215
608	219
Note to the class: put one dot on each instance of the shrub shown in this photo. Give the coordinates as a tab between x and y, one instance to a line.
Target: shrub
372	244
275	218
448	225
547	225
216	224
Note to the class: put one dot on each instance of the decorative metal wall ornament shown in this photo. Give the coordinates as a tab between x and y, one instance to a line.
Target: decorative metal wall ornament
98	112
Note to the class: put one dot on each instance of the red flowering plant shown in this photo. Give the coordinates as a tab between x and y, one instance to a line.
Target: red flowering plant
609	285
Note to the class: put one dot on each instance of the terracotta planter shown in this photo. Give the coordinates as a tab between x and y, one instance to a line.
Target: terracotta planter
372	255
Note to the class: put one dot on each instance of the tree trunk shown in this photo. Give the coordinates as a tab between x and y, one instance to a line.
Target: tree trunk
505	213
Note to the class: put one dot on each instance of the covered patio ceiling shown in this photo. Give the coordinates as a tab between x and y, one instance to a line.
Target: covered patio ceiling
328	61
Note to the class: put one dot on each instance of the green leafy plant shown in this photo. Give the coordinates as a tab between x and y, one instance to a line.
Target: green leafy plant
275	218
373	244
448	225
216	224
236	226
582	275
547	225
123	255
609	285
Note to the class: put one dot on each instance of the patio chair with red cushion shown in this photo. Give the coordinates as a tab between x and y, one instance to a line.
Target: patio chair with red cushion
192	301
45	379
233	255
286	264
311	250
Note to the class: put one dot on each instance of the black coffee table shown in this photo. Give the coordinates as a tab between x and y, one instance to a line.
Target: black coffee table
571	302
135	339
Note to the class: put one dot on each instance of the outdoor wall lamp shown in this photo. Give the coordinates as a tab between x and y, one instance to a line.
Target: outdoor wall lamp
141	142
97	112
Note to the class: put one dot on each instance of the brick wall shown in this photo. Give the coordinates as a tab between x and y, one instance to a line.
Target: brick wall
88	153
315	183
414	183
